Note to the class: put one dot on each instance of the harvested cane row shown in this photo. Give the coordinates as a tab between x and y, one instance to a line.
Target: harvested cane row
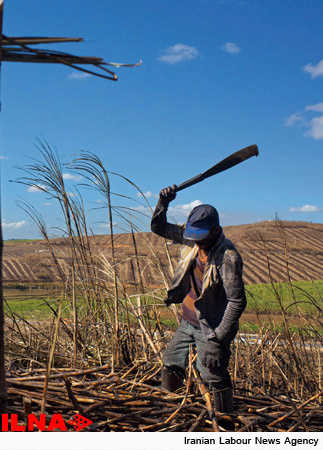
131	399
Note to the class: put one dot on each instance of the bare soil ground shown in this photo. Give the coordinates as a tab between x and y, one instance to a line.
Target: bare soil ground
260	244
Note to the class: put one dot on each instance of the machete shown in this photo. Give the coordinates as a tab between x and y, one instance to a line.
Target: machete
227	163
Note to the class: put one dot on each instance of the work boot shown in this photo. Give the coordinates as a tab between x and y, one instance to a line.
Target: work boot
171	380
223	399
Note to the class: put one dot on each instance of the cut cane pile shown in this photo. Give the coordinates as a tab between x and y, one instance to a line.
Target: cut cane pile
131	399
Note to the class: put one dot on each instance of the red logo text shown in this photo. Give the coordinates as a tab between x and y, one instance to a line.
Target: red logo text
38	423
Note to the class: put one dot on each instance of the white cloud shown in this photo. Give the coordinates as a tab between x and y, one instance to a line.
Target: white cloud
314	125
107	225
36	188
178	53
75	75
294	119
316	128
69	176
47	204
315	71
318	107
3	157
14	225
231	47
184	210
148	194
177	211
306	209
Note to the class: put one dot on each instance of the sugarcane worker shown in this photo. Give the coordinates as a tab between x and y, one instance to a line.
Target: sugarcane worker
208	284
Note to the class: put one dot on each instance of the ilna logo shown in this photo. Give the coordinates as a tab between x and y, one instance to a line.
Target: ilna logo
35	423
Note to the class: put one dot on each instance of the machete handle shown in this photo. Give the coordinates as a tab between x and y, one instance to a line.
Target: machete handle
227	163
189	183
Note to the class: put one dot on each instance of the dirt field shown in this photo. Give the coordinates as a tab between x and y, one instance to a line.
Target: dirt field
259	244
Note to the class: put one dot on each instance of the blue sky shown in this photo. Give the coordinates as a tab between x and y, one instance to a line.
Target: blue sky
216	76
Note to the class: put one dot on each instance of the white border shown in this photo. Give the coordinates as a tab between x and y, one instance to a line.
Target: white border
156	441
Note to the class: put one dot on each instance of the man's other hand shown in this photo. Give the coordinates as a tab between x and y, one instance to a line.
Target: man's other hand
212	354
167	194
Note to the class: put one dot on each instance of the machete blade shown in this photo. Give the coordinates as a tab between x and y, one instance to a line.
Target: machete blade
225	164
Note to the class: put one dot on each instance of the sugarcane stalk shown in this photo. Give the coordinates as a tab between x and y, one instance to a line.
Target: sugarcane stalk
207	398
285	416
51	356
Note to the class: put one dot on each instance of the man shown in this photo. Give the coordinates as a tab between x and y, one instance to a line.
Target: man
208	284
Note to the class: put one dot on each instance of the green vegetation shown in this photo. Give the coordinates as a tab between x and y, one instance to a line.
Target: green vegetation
8	241
270	298
262	299
32	301
28	308
35	307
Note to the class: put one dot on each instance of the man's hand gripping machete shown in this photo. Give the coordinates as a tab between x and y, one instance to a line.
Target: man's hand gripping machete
225	164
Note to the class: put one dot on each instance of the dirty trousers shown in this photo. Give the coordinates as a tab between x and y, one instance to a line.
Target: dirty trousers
176	355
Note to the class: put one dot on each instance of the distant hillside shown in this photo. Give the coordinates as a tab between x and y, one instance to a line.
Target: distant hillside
261	245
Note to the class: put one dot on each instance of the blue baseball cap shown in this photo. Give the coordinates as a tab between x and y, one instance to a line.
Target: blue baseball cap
200	222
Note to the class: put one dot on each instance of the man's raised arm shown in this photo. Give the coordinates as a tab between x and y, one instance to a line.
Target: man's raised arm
159	224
